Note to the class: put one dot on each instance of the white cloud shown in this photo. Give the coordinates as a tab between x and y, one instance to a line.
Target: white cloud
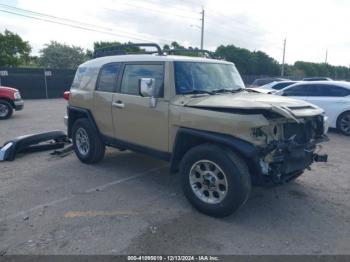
310	26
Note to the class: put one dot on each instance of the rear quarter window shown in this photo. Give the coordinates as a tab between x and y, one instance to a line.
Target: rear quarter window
107	80
329	91
83	77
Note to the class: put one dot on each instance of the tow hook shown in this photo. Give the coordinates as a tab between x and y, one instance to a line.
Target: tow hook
320	158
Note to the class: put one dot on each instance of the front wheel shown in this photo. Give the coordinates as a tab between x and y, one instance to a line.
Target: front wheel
343	123
86	142
6	110
215	180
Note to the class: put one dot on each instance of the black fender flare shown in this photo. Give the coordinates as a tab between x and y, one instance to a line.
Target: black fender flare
187	138
75	113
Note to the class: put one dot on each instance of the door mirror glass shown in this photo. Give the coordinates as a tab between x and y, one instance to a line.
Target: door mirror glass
147	87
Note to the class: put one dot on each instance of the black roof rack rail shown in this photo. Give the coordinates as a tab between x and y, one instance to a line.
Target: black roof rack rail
177	50
120	50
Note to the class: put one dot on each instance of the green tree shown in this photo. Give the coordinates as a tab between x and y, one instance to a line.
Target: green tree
56	55
102	44
247	62
176	45
265	65
13	50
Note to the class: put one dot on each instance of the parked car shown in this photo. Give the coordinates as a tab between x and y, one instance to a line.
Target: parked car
195	113
272	87
318	78
10	99
332	96
263	81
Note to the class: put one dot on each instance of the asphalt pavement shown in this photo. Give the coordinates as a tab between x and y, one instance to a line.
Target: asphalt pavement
130	204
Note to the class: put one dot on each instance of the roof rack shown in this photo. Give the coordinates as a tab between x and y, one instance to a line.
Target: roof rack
178	50
120	50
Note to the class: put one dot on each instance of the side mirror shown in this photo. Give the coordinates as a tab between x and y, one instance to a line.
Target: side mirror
147	88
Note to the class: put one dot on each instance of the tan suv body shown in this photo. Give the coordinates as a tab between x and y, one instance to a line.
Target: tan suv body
195	113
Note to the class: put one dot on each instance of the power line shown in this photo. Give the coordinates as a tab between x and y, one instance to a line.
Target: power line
79	24
74	26
73	21
49	16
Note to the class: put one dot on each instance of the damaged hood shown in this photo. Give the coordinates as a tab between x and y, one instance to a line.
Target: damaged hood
288	107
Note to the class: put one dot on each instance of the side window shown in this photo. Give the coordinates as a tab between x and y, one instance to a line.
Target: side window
300	90
280	86
78	77
133	73
336	91
108	78
328	90
318	90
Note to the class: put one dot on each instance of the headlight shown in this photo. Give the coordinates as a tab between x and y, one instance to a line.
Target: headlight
17	95
325	124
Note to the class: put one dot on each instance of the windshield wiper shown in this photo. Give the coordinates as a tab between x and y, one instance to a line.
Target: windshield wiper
227	90
197	91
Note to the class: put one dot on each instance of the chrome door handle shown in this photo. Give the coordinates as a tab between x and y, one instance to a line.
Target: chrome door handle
118	104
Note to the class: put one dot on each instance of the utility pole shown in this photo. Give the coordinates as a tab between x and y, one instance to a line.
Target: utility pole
326	56
284	56
202	29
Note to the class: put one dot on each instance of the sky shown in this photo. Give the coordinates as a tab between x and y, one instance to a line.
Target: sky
311	27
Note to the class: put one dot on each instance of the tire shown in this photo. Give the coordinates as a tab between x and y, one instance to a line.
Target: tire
232	186
6	110
343	123
86	142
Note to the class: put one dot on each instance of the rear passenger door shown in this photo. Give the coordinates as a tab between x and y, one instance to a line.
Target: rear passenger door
106	85
331	98
135	122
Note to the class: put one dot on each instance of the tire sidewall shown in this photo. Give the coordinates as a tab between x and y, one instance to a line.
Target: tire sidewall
10	109
82	123
239	185
339	120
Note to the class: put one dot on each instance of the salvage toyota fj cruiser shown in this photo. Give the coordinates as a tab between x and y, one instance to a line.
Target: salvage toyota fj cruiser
195	113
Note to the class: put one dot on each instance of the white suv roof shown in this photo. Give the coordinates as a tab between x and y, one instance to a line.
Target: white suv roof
98	62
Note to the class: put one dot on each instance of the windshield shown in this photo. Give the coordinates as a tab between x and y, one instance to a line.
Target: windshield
196	77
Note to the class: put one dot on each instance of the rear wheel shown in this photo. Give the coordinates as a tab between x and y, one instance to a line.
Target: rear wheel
215	180
86	142
343	123
6	109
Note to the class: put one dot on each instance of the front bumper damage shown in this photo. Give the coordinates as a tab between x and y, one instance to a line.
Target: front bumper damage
33	143
281	162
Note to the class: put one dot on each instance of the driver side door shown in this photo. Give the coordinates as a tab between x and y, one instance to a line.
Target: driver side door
135	121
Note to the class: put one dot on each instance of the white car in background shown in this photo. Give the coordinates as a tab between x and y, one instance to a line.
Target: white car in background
332	96
272	87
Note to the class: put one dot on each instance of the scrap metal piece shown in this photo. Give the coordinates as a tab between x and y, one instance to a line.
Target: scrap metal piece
4	151
31	143
64	152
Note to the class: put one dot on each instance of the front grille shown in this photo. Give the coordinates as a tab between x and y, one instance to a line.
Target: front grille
304	132
300	132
